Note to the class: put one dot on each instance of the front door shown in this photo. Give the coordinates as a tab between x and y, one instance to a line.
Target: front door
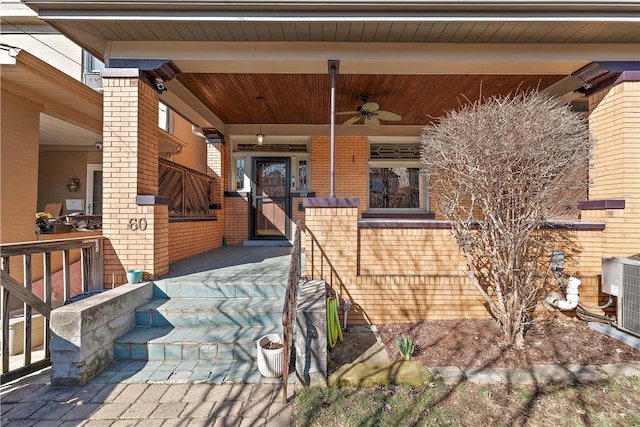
270	199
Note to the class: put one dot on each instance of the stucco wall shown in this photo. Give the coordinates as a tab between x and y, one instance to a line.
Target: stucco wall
194	154
19	141
55	169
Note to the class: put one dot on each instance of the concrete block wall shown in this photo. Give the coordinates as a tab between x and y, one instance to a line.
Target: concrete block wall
311	334
82	334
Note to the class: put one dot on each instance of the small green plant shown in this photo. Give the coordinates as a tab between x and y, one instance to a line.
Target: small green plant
406	347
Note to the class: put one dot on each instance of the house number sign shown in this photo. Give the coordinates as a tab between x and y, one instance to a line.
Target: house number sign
136	224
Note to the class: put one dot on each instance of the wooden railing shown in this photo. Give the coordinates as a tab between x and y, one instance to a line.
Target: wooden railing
290	302
191	192
91	259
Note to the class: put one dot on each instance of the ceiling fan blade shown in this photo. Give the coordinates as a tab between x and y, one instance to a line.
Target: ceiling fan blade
372	122
388	115
370	106
351	121
348	112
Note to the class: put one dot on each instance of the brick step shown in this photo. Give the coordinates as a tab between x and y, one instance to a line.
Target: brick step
191	343
223	289
180	312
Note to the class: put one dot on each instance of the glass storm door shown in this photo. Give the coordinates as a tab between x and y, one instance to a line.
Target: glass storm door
271	202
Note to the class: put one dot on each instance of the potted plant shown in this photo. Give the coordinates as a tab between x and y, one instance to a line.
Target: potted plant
270	352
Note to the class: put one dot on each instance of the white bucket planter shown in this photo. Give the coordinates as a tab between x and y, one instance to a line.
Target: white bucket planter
270	362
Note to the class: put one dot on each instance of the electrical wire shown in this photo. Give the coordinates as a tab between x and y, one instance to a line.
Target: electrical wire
84	67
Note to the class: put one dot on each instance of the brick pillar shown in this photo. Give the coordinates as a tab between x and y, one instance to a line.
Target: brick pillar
615	172
135	220
334	223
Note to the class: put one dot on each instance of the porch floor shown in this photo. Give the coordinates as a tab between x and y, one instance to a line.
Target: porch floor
205	319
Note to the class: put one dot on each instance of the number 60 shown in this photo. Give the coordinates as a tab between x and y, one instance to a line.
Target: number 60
137	224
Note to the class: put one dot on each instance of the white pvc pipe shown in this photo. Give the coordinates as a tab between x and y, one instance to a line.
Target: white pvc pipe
572	296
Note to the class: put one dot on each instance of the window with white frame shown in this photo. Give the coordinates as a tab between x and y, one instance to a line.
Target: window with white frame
396	180
243	152
164	117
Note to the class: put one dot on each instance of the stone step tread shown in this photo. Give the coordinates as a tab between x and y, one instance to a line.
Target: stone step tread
196	334
218	304
216	290
192	318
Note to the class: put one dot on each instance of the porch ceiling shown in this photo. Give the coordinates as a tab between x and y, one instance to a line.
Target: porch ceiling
304	99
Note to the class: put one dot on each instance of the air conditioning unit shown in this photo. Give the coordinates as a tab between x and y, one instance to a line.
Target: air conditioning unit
621	278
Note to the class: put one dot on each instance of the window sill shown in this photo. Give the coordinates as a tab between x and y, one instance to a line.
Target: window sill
192	219
398	215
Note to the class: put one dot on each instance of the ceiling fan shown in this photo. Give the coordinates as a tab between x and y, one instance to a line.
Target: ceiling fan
371	113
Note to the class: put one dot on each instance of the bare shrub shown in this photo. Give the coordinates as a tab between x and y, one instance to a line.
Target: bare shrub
499	170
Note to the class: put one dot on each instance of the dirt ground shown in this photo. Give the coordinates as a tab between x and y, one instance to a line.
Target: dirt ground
472	343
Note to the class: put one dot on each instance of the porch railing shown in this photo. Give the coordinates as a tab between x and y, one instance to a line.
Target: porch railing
191	192
321	269
91	278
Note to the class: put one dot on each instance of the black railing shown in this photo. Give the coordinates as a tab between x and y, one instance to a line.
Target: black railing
91	277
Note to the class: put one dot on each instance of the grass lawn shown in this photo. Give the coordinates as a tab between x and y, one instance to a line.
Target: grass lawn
607	403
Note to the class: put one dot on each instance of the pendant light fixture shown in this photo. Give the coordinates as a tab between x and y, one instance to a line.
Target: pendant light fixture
260	135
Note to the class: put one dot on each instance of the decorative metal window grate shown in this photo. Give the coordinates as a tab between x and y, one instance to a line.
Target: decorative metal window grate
394	151
281	148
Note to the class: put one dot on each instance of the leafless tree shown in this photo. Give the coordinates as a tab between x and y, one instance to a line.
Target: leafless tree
500	169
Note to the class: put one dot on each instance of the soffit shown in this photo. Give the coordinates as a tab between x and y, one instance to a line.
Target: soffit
94	23
58	94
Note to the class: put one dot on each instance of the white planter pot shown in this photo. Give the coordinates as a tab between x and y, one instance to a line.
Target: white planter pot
270	362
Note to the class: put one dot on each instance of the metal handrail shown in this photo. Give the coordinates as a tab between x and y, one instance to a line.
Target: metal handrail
290	300
91	258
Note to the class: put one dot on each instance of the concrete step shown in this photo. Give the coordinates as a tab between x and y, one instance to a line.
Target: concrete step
220	289
180	312
191	343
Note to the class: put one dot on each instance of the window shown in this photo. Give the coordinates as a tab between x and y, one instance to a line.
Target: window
91	64
164	117
396	181
244	149
240	174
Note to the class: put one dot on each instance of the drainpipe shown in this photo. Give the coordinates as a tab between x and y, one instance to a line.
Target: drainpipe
333	70
572	296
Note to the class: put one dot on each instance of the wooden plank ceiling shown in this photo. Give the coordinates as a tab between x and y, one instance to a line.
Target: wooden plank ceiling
305	98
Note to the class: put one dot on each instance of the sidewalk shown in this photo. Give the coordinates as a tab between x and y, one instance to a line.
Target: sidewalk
32	402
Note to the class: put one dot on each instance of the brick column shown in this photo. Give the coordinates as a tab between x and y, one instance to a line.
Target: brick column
135	220
334	223
615	174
